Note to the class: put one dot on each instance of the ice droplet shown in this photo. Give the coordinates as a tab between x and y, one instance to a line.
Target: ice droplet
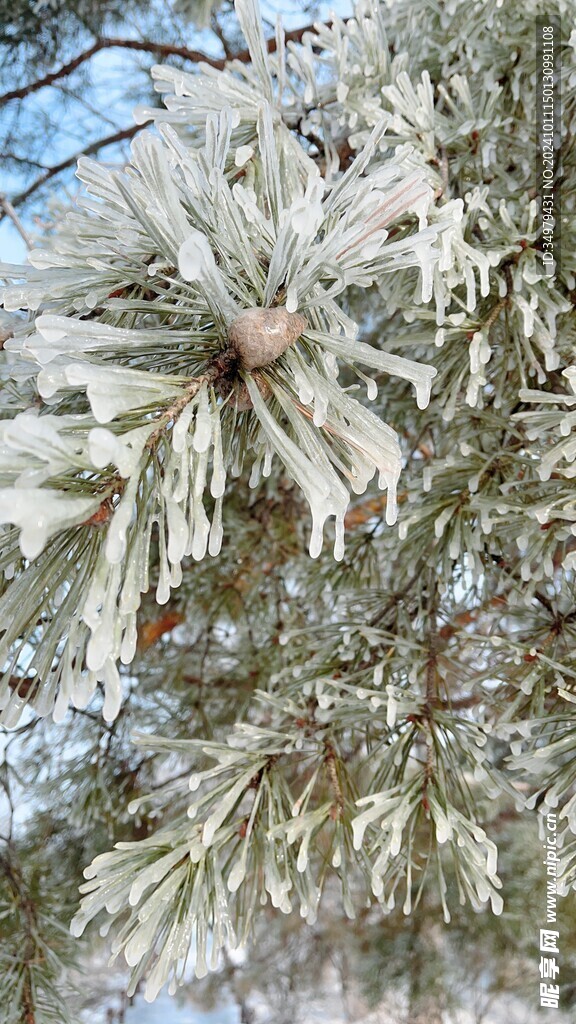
243	154
371	389
237	875
492	860
77	926
195	256
423	389
292	299
218	481
443	830
339	539
497	903
136	947
320	409
181	428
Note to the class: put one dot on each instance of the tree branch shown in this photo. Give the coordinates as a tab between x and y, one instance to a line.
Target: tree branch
66	69
145	46
94	147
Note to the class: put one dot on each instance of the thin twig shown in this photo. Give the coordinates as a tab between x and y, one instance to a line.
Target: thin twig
16	158
177	407
11	213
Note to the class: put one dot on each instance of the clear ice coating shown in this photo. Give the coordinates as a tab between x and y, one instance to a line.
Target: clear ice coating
42	513
324	492
113	390
419	374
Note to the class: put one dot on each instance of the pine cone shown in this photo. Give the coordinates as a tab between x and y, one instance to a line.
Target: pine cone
259	336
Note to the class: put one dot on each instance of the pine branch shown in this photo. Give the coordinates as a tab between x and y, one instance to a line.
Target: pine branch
25	905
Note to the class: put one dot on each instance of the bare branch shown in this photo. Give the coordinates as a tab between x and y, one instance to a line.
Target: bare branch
198	57
66	69
94	147
162	49
146	46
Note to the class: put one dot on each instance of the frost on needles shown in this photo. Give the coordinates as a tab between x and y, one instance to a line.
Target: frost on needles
193	327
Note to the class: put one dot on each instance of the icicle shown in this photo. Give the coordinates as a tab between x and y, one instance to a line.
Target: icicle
305	389
104	623
204	423
112	691
41	513
389	480
454	546
316	537
339	539
182	487
177	531
254	479
116	540
292	299
129	640
175	575
218	481
267	467
216	531
423	253
485	520
423	390
181	427
163	588
201	534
